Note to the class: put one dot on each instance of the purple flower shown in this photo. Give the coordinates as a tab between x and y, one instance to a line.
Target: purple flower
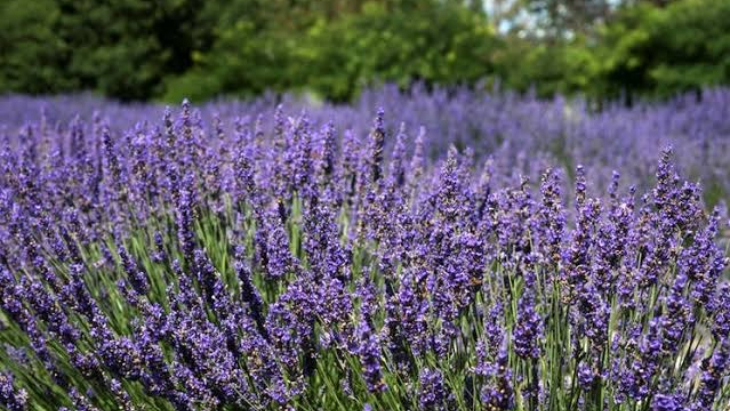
377	145
137	277
499	394
368	350
12	398
665	402
432	391
397	170
273	246
713	370
414	311
528	331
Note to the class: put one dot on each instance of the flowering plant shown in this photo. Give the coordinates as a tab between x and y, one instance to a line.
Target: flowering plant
193	267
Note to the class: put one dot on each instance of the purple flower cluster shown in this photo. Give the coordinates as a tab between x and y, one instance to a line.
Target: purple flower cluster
291	263
522	134
12	398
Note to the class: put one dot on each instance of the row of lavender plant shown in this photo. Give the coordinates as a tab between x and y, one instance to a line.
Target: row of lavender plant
523	135
283	263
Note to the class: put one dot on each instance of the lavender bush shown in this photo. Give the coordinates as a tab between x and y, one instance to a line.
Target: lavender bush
522	135
212	262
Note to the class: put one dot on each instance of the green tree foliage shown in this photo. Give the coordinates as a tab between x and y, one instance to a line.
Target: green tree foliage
659	51
124	48
121	48
547	68
243	62
400	42
692	46
32	55
432	42
168	49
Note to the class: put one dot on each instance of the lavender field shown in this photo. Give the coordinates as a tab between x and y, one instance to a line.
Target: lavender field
428	250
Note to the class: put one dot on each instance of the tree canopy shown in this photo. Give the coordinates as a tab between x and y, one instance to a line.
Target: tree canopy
167	49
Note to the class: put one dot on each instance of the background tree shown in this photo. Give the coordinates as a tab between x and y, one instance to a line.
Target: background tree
32	55
167	49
